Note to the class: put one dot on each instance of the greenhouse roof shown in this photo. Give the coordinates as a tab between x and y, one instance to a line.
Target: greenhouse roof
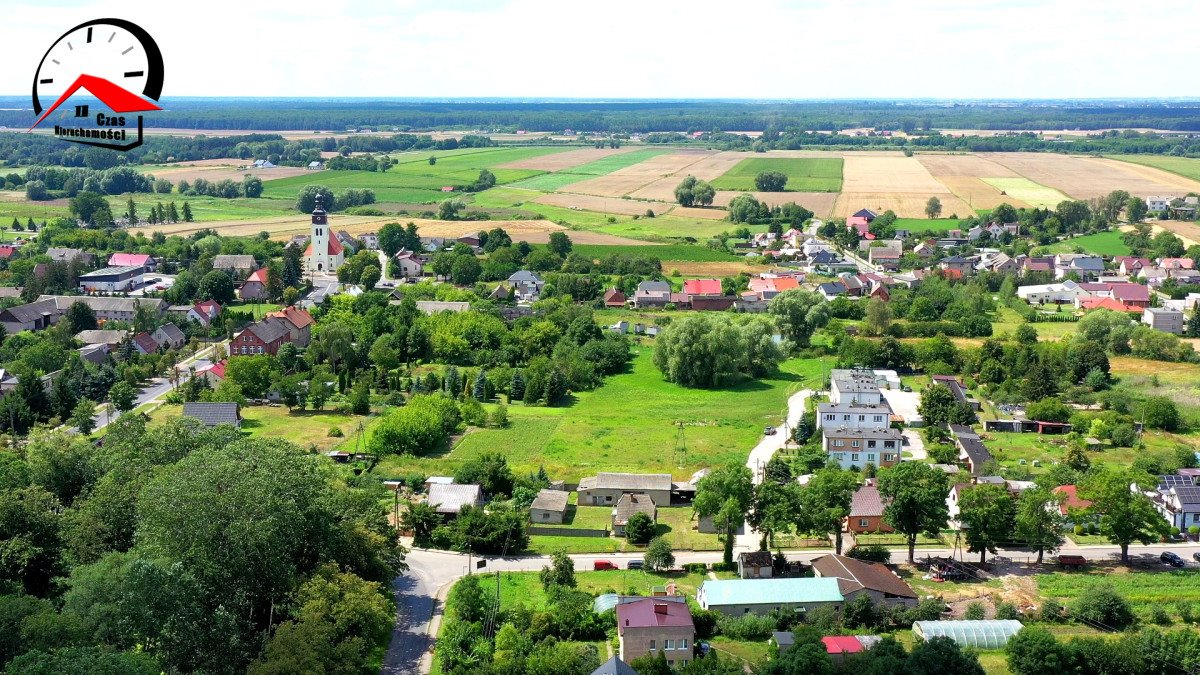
989	634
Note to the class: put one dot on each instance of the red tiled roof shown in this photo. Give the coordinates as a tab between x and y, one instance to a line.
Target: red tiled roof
297	317
145	342
1107	303
786	284
334	248
642	614
702	287
866	502
217	368
842	644
7	252
1072	501
207	307
259	275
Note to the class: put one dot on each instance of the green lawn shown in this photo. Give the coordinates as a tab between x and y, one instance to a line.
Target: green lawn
1101	243
1144	590
24	210
629	424
1034	194
306	428
812	174
206	209
1184	166
1007	321
674	523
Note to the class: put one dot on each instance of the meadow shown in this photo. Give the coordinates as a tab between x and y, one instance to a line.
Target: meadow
559	179
804	174
1183	166
936	225
630	424
1101	243
1143	590
1028	191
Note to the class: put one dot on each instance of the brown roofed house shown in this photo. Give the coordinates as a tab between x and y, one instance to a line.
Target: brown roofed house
550	507
629	504
858	576
866	511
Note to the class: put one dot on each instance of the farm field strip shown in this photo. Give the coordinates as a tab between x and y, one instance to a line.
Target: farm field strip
904	205
709	168
568	159
804	175
1028	191
1087	177
882	181
601	167
626	207
630	179
820	203
1181	166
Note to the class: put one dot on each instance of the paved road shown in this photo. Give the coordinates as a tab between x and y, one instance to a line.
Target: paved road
157	387
769	445
421	592
916	445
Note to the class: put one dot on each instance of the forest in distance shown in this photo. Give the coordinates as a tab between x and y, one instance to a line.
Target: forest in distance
644	116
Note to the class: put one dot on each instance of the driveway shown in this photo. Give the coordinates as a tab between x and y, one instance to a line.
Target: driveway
769	445
904	403
915	445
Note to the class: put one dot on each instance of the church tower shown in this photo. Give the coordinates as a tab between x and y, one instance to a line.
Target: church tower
325	252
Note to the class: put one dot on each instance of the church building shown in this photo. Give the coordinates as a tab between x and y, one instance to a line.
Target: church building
325	252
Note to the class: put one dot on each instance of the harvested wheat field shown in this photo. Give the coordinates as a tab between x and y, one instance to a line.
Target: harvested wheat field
820	203
882	181
616	205
695	212
284	227
632	178
710	168
1087	177
711	270
1187	231
566	160
214	170
978	193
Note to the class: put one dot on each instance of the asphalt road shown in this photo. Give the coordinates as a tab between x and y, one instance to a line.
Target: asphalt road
156	388
420	593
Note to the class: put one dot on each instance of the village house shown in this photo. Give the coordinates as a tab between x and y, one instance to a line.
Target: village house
214	414
971	449
1127	293
1164	319
866	512
237	266
854	386
48	309
144	344
1177	498
169	336
549	507
756	565
859	577
408	265
255	286
654	626
614	298
70	255
526	285
606	488
652	294
110	338
204	311
299	324
1130	265
1086	266
627	505
737	597
963	265
370	240
142	260
261	337
213	373
855	448
1059	294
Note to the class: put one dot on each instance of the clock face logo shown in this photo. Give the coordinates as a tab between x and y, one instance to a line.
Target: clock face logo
111	61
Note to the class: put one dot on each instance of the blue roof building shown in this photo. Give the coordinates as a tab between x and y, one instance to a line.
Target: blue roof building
762	596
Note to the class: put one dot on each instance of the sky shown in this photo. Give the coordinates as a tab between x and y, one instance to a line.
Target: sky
758	49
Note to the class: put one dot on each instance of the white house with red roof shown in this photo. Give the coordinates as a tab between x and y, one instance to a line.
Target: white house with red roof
255	286
325	253
204	312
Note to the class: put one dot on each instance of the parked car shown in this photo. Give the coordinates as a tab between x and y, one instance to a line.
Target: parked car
906	388
603	565
769	431
1171	559
635	565
1196	556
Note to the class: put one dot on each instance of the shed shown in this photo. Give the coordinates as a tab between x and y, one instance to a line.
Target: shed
550	506
982	634
213	414
449	499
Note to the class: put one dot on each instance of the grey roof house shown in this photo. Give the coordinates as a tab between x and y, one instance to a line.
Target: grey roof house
449	499
213	414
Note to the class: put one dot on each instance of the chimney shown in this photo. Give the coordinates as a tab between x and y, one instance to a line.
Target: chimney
626	622
660	608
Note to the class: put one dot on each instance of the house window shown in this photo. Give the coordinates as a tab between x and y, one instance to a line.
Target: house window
870	444
862	418
652	645
830	417
855	444
889	444
838	443
668	644
870	457
854	457
845	418
608	498
683	645
545	516
863	522
889	458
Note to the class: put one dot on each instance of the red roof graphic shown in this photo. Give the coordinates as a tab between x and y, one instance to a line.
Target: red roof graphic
117	99
702	287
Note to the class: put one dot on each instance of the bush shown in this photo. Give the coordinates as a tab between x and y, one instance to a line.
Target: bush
1051	611
695	568
1187	611
871	553
1159	615
975	612
927	610
335	432
746	627
639	529
1007	610
1102	606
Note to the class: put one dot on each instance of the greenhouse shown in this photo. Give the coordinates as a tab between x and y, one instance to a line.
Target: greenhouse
991	634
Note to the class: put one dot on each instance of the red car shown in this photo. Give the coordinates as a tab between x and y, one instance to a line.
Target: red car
603	565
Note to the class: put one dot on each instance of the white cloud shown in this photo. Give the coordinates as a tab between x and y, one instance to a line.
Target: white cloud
644	48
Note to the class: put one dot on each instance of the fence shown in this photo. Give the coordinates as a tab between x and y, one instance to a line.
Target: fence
567	531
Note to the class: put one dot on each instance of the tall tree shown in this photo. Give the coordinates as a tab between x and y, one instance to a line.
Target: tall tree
933	207
1126	515
1038	521
916	494
800	313
725	496
773	509
826	501
986	512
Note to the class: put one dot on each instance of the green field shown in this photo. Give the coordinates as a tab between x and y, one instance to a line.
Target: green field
662	252
306	428
804	175
1184	166
601	167
1034	194
938	225
629	424
1143	589
1101	243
